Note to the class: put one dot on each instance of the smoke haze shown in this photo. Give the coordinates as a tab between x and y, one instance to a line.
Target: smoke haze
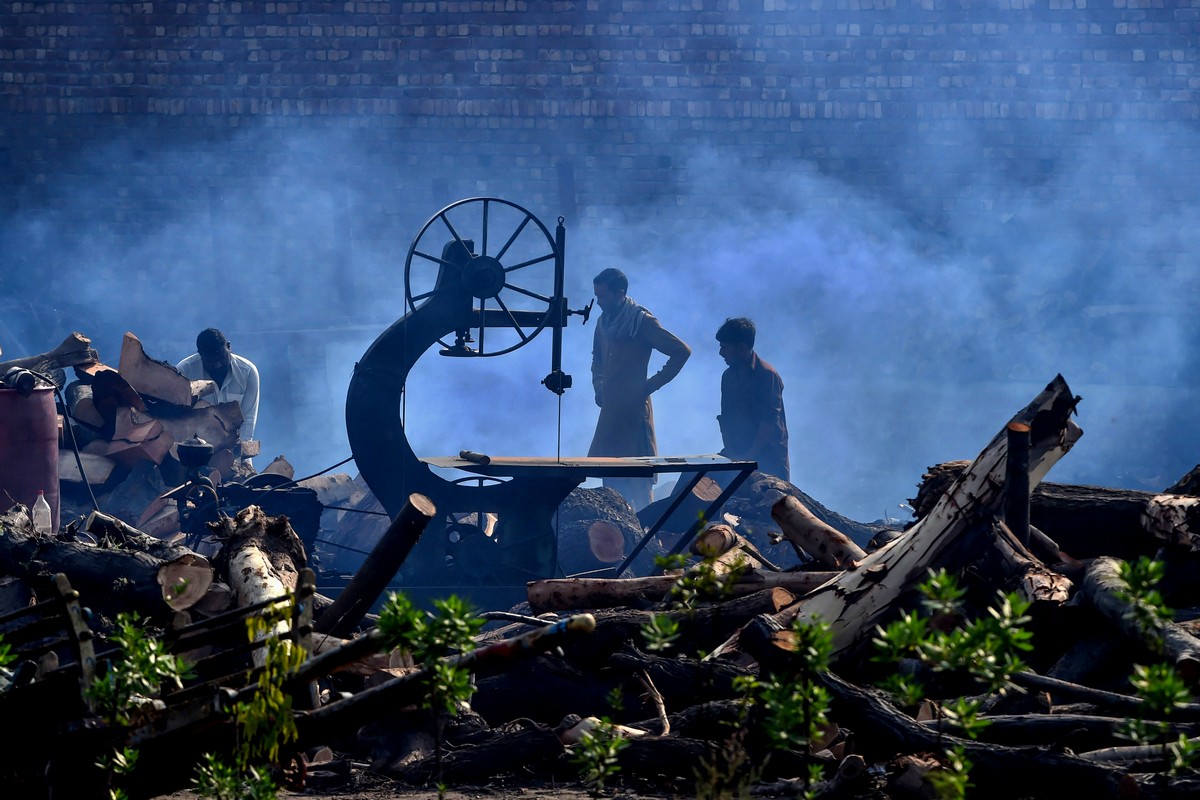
909	316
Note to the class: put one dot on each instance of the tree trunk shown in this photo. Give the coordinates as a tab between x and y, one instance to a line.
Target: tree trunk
109	579
75	351
1103	588
385	559
561	594
1085	521
831	548
853	604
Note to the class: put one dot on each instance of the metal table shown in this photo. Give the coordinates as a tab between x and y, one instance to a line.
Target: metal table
586	467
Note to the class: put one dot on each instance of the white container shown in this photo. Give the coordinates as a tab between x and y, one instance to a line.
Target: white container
40	513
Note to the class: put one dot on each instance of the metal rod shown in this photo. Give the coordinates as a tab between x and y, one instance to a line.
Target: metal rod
666	515
733	486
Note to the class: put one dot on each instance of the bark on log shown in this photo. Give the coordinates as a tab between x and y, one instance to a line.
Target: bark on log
524	750
562	594
831	548
854	603
682	681
184	576
1118	703
389	553
596	530
998	771
1025	574
261	559
700	629
1103	588
1174	519
347	715
1085	521
110	580
1079	732
75	351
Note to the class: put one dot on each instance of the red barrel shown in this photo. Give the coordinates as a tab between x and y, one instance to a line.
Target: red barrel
28	449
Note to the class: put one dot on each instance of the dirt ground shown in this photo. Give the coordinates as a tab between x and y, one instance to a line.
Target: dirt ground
374	788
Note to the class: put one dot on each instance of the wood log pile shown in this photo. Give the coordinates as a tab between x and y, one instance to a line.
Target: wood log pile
666	660
126	423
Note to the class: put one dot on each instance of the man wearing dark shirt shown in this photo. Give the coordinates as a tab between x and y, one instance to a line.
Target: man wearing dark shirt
753	423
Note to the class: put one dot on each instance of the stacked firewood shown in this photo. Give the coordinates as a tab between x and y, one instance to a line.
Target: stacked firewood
128	424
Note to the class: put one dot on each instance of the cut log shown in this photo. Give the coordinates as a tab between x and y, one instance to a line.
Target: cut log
216	424
831	548
98	469
854	603
1174	519
1189	484
387	557
700	629
719	539
997	771
562	594
596	530
1085	521
112	579
753	503
1025	573
157	379
1104	589
75	351
280	466
137	437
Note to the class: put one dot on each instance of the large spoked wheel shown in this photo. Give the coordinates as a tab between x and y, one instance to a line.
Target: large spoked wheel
510	275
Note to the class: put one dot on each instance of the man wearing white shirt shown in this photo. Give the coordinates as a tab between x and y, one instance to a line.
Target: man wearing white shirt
236	377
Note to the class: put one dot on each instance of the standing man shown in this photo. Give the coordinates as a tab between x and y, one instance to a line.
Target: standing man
753	424
625	336
236	377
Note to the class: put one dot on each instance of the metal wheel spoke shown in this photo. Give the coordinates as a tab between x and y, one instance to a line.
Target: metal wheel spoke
516	325
453	232
422	296
434	259
529	263
528	293
513	238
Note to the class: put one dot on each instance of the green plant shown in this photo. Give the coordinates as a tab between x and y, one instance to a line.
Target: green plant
1161	688
217	780
139	675
129	683
7	656
792	705
596	754
428	637
265	723
660	633
987	648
